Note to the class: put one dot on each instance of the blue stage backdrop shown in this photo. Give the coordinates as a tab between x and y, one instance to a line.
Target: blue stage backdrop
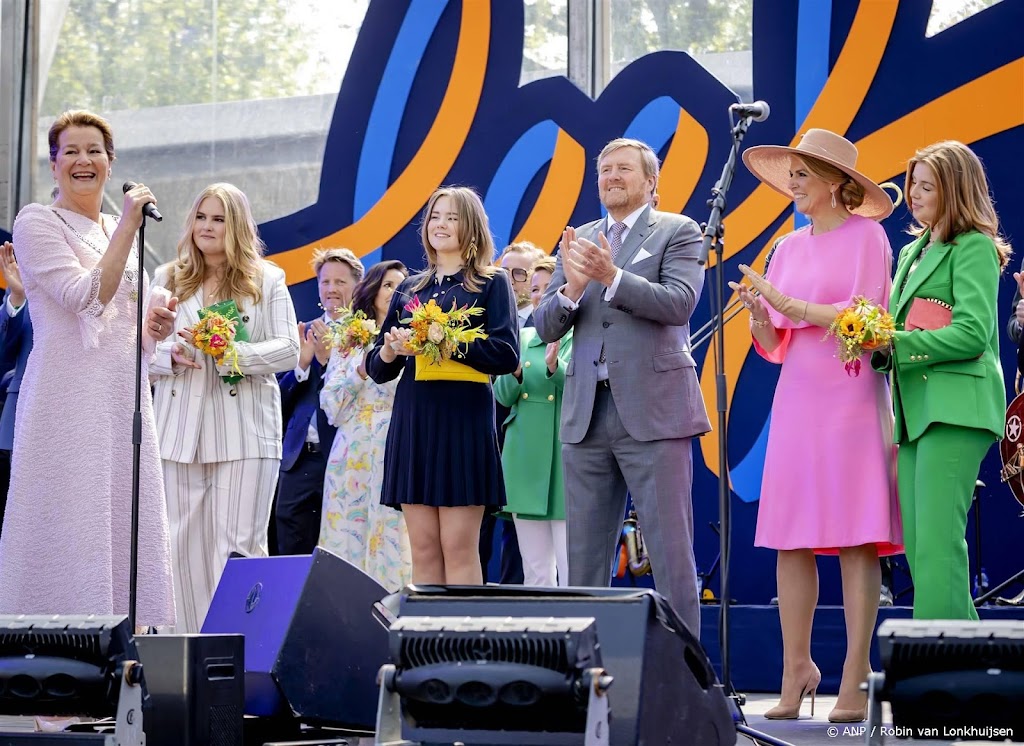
432	97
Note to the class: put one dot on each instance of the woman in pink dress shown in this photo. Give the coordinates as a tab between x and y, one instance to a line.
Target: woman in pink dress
65	542
828	485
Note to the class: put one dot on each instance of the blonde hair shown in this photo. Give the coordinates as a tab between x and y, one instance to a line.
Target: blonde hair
242	245
80	118
850	192
648	157
545	264
476	246
526	248
341	256
963	200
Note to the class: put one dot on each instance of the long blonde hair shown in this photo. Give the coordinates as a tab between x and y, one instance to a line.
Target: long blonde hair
964	202
242	244
476	246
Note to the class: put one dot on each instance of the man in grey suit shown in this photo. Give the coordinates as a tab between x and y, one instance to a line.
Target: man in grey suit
627	285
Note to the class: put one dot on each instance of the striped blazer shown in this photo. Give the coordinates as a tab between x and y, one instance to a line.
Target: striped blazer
201	419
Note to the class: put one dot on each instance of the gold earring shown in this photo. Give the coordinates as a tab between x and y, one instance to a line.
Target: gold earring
833	200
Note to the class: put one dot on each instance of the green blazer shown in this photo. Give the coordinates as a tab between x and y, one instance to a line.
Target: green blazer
532	455
950	375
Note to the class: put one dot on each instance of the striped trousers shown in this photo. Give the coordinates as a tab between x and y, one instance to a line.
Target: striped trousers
213	510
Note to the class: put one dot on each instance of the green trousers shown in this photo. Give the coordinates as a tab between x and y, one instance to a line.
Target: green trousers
936	475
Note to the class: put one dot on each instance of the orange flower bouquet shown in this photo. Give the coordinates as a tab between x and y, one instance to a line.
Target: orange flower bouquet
215	333
859	328
439	335
353	331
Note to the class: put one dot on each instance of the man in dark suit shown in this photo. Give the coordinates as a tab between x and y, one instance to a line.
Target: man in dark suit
308	436
627	286
15	346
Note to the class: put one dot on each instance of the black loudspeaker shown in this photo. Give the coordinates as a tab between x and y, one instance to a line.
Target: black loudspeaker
664	691
942	677
196	689
312	645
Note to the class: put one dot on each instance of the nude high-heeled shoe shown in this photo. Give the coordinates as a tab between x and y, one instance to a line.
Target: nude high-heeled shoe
848	716
792	712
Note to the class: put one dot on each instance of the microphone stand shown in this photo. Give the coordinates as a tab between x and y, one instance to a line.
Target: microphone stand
713	232
133	567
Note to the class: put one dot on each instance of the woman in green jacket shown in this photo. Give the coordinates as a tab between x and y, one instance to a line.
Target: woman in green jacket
531	458
947	385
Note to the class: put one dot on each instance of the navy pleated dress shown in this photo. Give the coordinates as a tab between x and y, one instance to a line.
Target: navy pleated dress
442	446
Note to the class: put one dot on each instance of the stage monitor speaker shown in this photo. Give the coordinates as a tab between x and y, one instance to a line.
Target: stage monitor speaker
312	645
944	675
196	688
665	690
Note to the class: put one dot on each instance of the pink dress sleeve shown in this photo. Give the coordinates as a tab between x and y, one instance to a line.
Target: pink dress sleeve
832	269
48	262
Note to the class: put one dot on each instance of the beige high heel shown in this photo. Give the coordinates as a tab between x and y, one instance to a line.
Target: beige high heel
786	712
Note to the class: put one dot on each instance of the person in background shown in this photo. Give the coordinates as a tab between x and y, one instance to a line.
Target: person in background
441	461
531	458
947	382
308	434
65	548
812	500
220	441
15	346
355	525
516	259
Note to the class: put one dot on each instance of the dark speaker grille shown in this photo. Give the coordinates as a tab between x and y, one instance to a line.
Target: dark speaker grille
225	725
542	652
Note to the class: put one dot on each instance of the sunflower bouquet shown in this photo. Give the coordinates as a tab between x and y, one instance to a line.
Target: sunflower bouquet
216	332
353	331
859	328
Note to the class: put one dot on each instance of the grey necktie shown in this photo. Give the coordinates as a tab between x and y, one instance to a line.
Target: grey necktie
615	238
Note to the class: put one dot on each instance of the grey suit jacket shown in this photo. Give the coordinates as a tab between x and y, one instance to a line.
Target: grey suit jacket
644	330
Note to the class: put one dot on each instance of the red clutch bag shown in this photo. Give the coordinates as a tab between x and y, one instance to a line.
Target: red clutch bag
928	314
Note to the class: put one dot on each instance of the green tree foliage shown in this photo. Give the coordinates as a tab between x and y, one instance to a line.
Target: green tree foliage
127	54
693	26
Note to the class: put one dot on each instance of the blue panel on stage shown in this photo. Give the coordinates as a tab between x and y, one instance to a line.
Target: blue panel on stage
257	598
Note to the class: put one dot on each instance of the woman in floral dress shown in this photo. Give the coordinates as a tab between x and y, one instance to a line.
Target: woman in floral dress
355	526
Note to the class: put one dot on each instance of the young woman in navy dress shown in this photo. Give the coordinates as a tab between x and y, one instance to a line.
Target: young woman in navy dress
441	462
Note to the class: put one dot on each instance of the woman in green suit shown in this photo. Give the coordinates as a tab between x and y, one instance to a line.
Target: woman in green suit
947	386
531	458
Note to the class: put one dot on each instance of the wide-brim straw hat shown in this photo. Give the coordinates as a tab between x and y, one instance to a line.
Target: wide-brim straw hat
770	164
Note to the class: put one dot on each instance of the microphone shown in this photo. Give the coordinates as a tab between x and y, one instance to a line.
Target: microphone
758	111
149	209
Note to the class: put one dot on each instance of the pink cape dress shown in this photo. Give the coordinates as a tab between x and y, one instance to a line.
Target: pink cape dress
829	474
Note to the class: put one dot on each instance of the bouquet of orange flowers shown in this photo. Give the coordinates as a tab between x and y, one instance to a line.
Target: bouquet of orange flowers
439	334
860	328
215	333
353	331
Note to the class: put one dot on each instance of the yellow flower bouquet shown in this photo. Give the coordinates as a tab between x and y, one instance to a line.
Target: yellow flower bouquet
216	332
353	331
859	328
438	335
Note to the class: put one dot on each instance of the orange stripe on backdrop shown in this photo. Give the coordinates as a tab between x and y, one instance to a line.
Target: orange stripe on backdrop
684	163
837	105
558	196
431	164
986	106
737	347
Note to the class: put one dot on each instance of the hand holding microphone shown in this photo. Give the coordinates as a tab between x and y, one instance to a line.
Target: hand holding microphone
136	194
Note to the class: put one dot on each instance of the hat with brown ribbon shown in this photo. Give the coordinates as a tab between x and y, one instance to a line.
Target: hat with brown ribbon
770	164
